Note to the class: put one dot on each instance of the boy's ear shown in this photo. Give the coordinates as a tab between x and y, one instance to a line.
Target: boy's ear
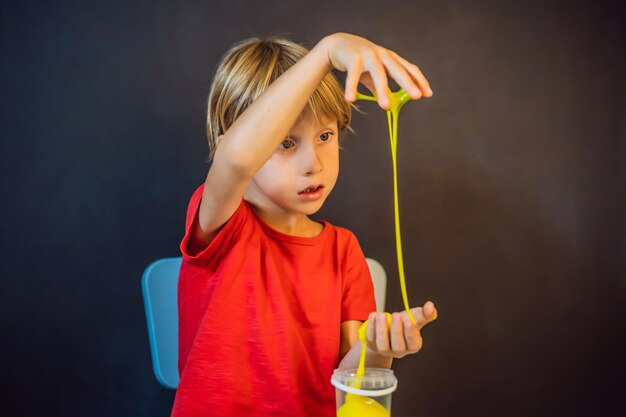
218	140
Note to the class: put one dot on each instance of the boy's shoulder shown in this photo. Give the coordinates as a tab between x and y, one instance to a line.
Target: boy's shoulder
340	230
343	236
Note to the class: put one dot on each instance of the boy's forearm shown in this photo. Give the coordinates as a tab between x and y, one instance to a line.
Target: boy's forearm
372	358
256	134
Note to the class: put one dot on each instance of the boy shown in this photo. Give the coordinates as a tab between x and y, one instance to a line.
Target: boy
270	301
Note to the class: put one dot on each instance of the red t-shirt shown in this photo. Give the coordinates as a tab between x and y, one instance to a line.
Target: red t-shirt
259	317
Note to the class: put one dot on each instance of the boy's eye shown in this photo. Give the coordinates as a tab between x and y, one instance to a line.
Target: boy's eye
287	144
325	136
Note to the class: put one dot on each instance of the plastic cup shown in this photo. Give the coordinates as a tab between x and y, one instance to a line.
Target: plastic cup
372	398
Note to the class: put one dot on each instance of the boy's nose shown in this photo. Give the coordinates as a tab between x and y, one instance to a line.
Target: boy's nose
312	163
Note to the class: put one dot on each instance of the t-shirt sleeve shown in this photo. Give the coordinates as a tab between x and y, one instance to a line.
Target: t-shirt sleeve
225	235
358	290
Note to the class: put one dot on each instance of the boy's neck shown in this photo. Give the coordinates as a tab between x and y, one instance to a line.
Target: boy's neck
294	224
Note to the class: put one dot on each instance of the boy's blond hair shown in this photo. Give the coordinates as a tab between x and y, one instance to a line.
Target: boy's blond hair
248	68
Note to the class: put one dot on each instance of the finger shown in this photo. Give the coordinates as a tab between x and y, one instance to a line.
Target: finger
430	311
371	329
366	80
416	73
382	335
377	71
401	76
398	342
352	79
412	336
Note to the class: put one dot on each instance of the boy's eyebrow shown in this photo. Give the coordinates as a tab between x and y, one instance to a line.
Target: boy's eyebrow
331	125
327	126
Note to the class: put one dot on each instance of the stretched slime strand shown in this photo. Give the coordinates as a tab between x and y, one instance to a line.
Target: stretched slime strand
356	405
398	99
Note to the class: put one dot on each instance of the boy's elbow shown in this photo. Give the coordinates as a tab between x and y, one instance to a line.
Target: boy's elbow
242	169
236	161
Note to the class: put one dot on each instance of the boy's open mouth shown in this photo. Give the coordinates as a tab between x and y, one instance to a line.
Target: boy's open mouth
311	189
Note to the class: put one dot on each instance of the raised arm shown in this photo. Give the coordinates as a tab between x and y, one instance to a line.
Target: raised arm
257	133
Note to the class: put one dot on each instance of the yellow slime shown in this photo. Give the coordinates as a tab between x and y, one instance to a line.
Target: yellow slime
359	406
356	405
398	99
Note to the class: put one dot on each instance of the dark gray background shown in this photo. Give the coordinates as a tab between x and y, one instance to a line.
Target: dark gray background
512	182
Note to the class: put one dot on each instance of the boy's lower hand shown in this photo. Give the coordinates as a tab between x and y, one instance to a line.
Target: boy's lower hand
403	337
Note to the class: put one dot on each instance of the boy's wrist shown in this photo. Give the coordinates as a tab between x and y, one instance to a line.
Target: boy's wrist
324	47
376	360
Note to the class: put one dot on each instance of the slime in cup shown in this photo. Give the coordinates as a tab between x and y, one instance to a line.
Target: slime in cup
371	399
356	391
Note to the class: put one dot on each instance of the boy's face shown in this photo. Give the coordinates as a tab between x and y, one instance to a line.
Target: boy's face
302	171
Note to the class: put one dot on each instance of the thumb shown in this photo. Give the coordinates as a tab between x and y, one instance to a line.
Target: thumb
424	315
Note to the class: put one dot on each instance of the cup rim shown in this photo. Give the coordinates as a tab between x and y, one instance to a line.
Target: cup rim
363	392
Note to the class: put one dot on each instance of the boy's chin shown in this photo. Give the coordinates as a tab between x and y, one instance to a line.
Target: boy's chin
312	210
312	207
